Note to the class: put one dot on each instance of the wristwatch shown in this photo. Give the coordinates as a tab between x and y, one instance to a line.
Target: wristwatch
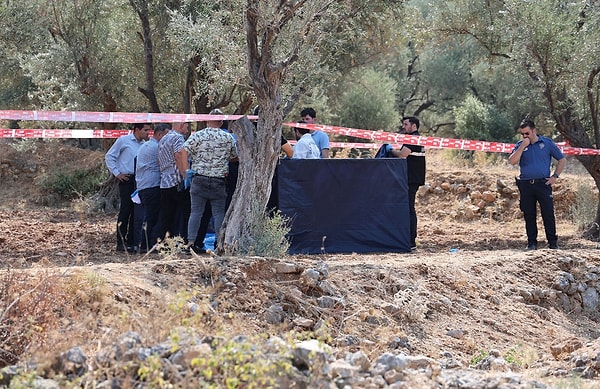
555	175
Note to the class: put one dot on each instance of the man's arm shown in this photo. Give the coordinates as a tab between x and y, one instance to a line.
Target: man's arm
560	166
181	160
403	152
324	153
515	157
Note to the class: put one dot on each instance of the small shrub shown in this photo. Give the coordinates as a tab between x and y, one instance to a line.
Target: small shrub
583	211
27	145
266	234
76	183
28	308
478	357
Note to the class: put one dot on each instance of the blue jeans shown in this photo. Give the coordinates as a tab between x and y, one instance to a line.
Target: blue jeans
531	195
203	189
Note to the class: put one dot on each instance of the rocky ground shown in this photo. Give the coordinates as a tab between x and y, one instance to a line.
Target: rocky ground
470	308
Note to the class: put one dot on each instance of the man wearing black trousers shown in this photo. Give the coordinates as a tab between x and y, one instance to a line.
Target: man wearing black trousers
120	160
415	161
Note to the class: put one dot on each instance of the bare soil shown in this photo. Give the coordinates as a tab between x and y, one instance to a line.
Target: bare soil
467	277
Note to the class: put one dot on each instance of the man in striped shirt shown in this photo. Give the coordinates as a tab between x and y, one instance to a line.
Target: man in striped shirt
174	198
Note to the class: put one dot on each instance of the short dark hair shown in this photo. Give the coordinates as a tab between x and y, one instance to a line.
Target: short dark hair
308	111
140	125
413	120
527	123
162	127
302	130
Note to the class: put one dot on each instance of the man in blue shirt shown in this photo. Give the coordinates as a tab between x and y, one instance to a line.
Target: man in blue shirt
309	116
120	160
534	155
147	177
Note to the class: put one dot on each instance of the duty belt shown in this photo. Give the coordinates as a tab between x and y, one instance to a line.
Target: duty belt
534	181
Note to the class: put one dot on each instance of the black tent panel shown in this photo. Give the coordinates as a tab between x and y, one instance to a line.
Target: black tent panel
345	205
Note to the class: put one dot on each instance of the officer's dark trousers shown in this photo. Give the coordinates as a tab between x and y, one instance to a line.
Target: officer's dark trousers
533	192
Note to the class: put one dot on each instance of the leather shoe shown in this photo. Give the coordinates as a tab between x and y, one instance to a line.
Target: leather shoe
553	246
532	246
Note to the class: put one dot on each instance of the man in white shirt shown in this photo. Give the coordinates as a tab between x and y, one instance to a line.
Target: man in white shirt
306	148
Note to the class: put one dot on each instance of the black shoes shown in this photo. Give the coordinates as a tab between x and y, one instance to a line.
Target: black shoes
533	246
129	249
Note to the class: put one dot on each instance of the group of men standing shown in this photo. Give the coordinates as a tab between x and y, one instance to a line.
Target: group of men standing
181	184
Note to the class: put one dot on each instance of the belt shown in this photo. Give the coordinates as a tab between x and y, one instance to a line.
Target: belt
200	175
534	181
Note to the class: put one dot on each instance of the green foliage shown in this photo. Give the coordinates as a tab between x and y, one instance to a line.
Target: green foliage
583	210
239	363
476	120
25	145
478	357
368	101
265	235
70	184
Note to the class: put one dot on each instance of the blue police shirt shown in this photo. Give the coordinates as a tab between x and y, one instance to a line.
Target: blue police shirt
537	157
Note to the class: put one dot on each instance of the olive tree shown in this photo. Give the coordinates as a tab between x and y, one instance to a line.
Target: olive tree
283	42
554	43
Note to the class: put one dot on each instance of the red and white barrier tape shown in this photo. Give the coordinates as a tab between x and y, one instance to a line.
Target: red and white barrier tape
61	134
132	117
112	117
432	142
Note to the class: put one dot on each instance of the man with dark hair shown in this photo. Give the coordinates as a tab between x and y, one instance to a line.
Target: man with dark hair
309	116
306	148
534	155
415	161
120	160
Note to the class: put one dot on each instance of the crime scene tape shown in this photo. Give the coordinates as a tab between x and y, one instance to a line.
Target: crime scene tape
432	142
86	133
112	117
149	117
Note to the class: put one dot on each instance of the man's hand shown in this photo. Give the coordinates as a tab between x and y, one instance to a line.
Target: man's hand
123	177
187	182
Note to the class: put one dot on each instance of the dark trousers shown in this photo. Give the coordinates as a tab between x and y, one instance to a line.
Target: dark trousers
412	195
204	225
174	213
125	220
151	202
138	224
531	195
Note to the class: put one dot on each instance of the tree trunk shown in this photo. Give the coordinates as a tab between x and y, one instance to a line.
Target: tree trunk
141	8
258	152
572	130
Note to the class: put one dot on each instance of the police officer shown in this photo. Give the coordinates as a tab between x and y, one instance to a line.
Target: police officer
534	155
